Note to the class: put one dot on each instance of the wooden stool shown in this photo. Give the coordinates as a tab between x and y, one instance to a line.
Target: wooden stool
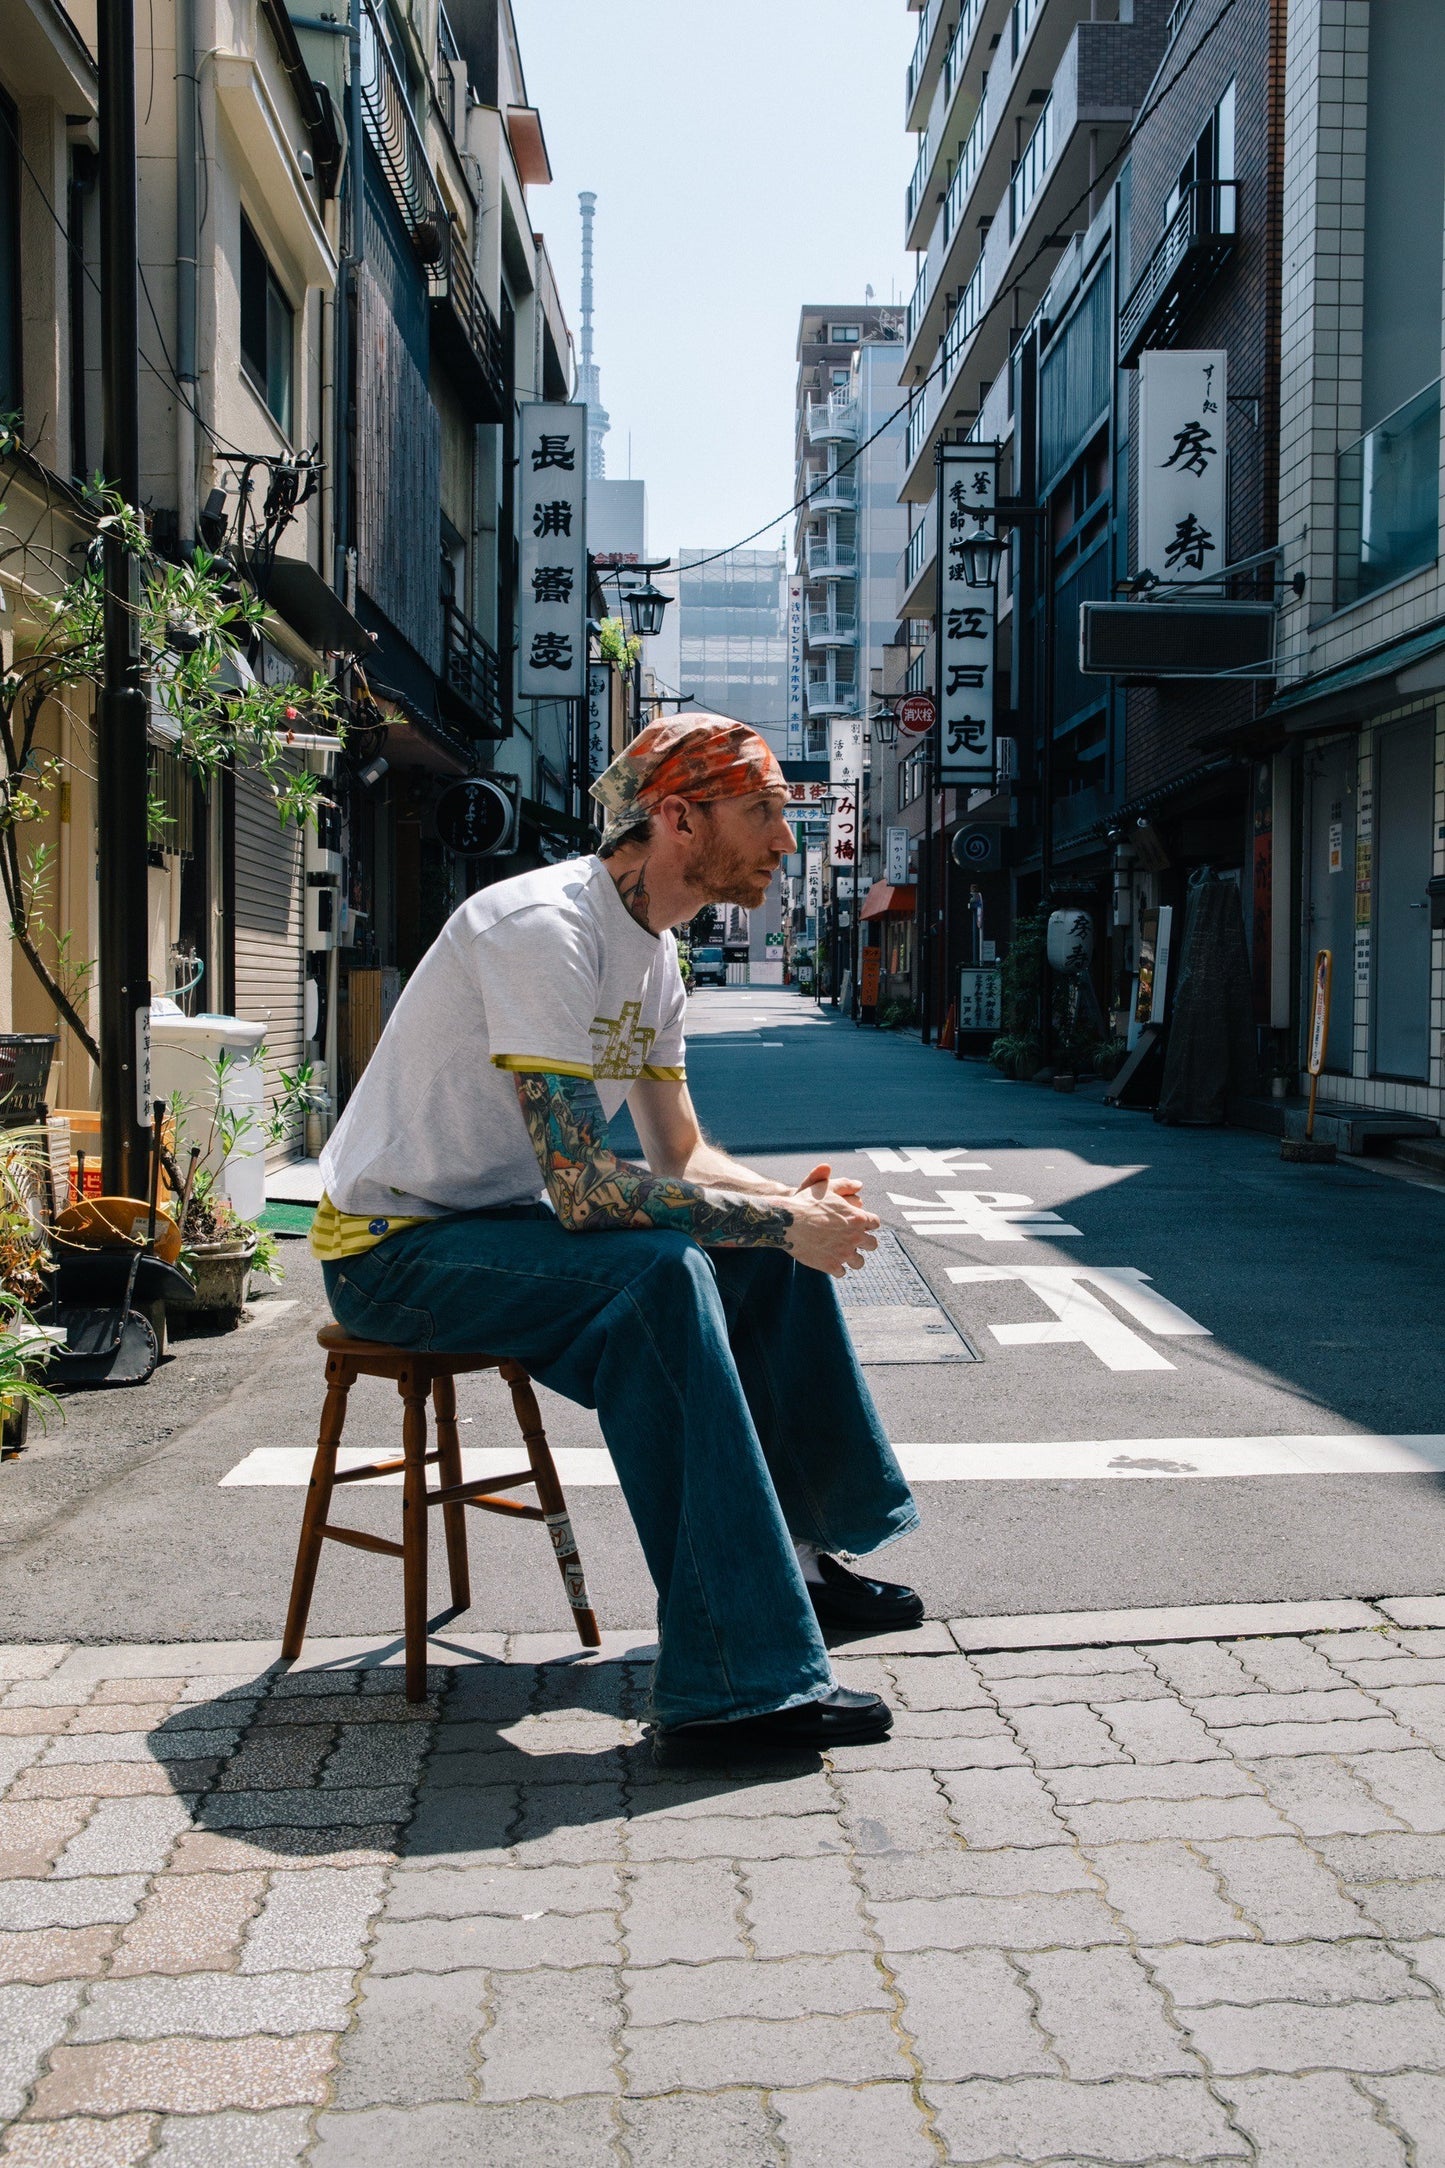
418	1374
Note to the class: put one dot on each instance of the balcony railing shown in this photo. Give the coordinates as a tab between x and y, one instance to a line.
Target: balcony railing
964	320
1021	22
470	673
1029	174
394	136
832	492
920	52
919	301
918	552
917	425
959	44
966	171
830	560
1197	241
918	183
468	324
832	419
1387	499
832	628
832	694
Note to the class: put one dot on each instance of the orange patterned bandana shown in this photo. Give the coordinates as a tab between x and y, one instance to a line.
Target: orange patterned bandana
702	758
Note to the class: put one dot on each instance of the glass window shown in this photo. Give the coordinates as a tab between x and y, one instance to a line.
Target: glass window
268	324
9	259
844	335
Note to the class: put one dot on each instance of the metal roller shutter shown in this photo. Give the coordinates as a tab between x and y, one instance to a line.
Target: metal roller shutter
269	932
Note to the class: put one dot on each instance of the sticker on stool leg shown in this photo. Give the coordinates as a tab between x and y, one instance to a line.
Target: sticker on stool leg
559	1528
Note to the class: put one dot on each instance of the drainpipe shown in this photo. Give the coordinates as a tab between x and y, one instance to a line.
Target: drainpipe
186	272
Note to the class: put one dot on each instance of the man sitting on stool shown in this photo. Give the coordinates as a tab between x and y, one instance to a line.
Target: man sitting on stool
702	1323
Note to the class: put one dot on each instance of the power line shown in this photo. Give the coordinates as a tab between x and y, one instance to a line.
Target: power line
1011	286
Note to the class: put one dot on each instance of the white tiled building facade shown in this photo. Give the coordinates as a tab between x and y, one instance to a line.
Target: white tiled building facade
1360	784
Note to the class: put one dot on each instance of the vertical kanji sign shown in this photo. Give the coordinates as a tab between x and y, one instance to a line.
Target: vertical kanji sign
795	669
843	834
967	494
552	528
1183	408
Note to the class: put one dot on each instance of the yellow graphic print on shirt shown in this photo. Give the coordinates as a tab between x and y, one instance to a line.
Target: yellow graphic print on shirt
620	1044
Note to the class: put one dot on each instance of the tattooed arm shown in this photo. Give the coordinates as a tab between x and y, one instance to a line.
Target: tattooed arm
591	1188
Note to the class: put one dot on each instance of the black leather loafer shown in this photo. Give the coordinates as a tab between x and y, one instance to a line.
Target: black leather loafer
844	1598
842	1717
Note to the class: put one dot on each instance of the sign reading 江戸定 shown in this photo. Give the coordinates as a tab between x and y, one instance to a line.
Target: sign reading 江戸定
967	494
552	529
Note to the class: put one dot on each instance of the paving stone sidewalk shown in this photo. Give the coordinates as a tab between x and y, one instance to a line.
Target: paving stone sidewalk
1138	1903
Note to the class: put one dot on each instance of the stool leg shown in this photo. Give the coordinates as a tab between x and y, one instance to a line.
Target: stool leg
339	1377
413	1383
554	1505
449	1468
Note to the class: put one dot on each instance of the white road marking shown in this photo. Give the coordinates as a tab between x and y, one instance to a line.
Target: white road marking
921	1159
1079	1316
1050	1461
269	1310
993	1215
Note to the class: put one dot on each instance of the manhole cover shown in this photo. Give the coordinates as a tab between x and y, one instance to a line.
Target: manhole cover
892	1315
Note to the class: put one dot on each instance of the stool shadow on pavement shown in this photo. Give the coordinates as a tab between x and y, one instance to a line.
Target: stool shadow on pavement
532	1764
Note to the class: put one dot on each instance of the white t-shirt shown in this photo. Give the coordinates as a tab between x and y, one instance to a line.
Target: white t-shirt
547	972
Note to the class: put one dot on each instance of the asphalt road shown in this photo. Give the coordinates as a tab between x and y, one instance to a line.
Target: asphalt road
1310	1301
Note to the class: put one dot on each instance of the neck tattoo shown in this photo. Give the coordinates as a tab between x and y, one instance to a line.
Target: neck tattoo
632	888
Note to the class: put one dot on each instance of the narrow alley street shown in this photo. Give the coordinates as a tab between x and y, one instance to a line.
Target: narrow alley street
1207	1377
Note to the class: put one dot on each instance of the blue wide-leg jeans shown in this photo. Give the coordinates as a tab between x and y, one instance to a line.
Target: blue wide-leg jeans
729	1396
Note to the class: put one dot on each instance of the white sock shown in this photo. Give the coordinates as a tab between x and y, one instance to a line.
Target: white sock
808	1560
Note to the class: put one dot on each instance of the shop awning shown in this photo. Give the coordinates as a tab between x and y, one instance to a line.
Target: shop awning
1382	677
885	900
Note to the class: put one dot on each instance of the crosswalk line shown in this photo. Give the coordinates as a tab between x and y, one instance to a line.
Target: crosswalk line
1316	1453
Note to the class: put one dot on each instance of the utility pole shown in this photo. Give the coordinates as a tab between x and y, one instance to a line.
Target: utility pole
125	992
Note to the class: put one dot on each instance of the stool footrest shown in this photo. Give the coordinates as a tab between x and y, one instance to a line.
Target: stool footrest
513	1506
378	1467
362	1540
463	1494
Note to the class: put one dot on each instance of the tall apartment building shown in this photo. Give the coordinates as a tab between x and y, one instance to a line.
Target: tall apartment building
840	404
732	648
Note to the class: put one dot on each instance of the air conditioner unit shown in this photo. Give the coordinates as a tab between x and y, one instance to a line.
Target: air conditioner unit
1177	639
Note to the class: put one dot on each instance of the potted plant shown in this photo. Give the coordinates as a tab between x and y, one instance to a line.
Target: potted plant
221	1248
25	1346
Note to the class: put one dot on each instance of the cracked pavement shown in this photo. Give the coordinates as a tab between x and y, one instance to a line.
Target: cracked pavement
1133	1903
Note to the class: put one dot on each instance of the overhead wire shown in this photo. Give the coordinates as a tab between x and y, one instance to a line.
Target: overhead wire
1010	286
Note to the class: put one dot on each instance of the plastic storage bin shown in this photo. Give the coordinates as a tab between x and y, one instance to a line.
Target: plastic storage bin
183	1048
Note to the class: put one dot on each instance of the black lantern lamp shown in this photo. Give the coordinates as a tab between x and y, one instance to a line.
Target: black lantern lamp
645	607
981	553
883	727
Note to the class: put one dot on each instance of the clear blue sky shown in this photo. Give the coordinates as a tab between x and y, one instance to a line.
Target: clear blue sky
748	156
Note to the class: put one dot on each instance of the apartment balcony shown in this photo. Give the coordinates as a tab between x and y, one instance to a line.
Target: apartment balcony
1029	200
830	560
834	492
831	692
470	688
996	73
833	420
926	64
915	570
467	332
1191	252
1387	500
832	628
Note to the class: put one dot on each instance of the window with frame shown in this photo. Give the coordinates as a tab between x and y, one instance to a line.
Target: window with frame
10	385
268	330
1212	159
844	335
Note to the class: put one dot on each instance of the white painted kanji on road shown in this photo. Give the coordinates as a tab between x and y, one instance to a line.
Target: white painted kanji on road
1080	1318
921	1159
994	1215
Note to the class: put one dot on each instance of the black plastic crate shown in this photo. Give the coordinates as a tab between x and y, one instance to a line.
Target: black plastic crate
25	1058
